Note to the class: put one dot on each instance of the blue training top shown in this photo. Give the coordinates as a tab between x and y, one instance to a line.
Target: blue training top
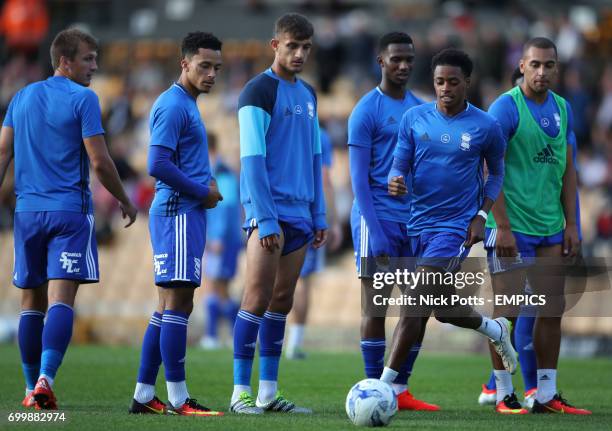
374	124
280	153
225	220
50	119
176	124
445	156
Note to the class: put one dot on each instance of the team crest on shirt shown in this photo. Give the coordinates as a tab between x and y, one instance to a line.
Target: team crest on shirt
545	122
445	138
298	109
465	141
311	112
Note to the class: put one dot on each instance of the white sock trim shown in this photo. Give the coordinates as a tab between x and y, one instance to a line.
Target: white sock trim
388	375
177	393
144	392
503	384
267	391
547	384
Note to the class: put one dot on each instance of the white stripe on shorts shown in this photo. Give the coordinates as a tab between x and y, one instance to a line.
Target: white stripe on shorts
89	258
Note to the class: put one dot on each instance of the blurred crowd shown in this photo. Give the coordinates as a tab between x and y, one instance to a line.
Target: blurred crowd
342	68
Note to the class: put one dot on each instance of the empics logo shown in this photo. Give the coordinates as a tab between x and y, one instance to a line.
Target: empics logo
68	264
547	155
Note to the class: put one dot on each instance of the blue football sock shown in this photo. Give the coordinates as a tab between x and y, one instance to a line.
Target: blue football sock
491	383
173	344
523	337
245	340
406	369
373	352
230	311
29	336
56	337
150	356
271	334
213	311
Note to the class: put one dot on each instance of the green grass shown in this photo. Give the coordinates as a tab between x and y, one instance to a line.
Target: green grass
95	386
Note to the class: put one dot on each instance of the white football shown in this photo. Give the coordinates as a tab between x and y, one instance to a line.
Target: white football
371	403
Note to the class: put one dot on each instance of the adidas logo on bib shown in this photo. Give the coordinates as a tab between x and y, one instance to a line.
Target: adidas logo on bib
546	156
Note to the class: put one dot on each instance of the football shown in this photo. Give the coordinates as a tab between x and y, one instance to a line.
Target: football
371	403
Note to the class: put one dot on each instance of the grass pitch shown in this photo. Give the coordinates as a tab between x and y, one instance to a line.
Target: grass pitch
95	386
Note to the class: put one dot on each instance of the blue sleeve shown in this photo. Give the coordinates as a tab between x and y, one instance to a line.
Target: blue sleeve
359	162
360	127
569	133
254	116
326	148
8	118
88	111
505	112
317	208
160	166
571	140
403	154
494	156
166	124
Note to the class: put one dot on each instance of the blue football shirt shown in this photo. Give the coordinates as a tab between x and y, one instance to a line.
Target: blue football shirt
50	119
374	124
175	123
326	149
446	156
280	153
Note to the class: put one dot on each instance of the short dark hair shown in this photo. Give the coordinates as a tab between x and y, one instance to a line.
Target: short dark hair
199	39
393	37
66	44
295	24
453	57
540	42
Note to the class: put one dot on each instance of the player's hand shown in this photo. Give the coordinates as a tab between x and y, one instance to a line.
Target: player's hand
571	243
213	197
397	186
320	238
334	237
271	242
505	243
128	210
475	232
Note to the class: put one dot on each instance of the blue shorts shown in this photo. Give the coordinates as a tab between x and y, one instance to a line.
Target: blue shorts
178	245
313	262
54	245
444	250
526	245
297	233
222	266
396	234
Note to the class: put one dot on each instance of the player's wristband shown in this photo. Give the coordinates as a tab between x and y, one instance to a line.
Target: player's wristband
483	214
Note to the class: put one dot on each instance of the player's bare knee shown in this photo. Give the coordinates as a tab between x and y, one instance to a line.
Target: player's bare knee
282	301
34	299
256	302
